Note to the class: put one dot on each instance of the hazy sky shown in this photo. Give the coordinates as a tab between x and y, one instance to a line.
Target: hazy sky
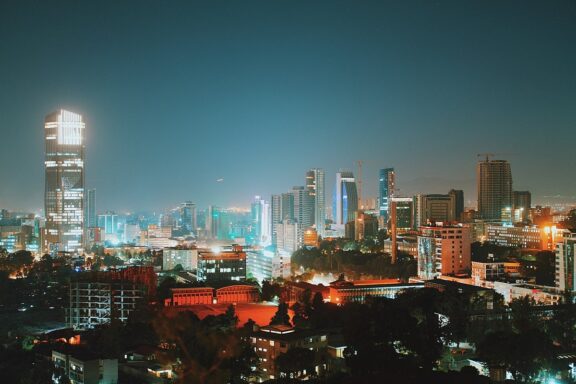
177	94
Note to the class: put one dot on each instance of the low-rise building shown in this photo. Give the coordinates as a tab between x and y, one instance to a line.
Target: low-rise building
83	367
443	250
296	291
229	294
565	278
357	291
488	271
271	341
222	265
187	258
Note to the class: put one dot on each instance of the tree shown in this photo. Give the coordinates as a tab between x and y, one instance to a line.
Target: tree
281	317
164	289
570	222
523	317
524	354
270	290
545	268
296	360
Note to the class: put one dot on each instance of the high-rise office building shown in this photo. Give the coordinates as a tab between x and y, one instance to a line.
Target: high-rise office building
494	179
275	216
187	219
315	185
522	203
386	185
91	218
108	222
287	206
260	225
64	181
404	207
458	195
345	199
212	222
287	237
565	278
303	211
434	208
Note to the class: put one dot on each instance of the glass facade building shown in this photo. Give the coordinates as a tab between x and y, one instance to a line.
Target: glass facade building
345	201
386	187
315	185
64	181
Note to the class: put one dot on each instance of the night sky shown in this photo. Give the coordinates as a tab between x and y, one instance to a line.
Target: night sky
179	94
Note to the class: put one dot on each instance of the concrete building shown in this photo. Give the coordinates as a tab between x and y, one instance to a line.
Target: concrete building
83	367
443	250
342	292
187	258
522	201
287	240
64	181
403	207
434	208
494	179
271	341
365	226
275	216
93	303
315	185
97	297
310	237
259	264
91	218
565	278
458	196
222	265
303	211
187	217
523	236
228	294
488	271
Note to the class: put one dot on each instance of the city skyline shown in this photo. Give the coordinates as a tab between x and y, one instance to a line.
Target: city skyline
173	110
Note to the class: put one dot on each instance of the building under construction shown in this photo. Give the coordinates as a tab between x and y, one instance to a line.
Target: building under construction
98	298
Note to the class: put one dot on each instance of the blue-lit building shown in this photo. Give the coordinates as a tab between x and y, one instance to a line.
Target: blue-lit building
345	199
386	187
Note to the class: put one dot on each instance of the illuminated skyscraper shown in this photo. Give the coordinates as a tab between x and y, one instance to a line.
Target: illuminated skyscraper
315	186
64	181
260	217
494	179
386	187
345	199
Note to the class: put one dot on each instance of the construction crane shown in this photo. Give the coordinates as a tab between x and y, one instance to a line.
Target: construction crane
489	155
